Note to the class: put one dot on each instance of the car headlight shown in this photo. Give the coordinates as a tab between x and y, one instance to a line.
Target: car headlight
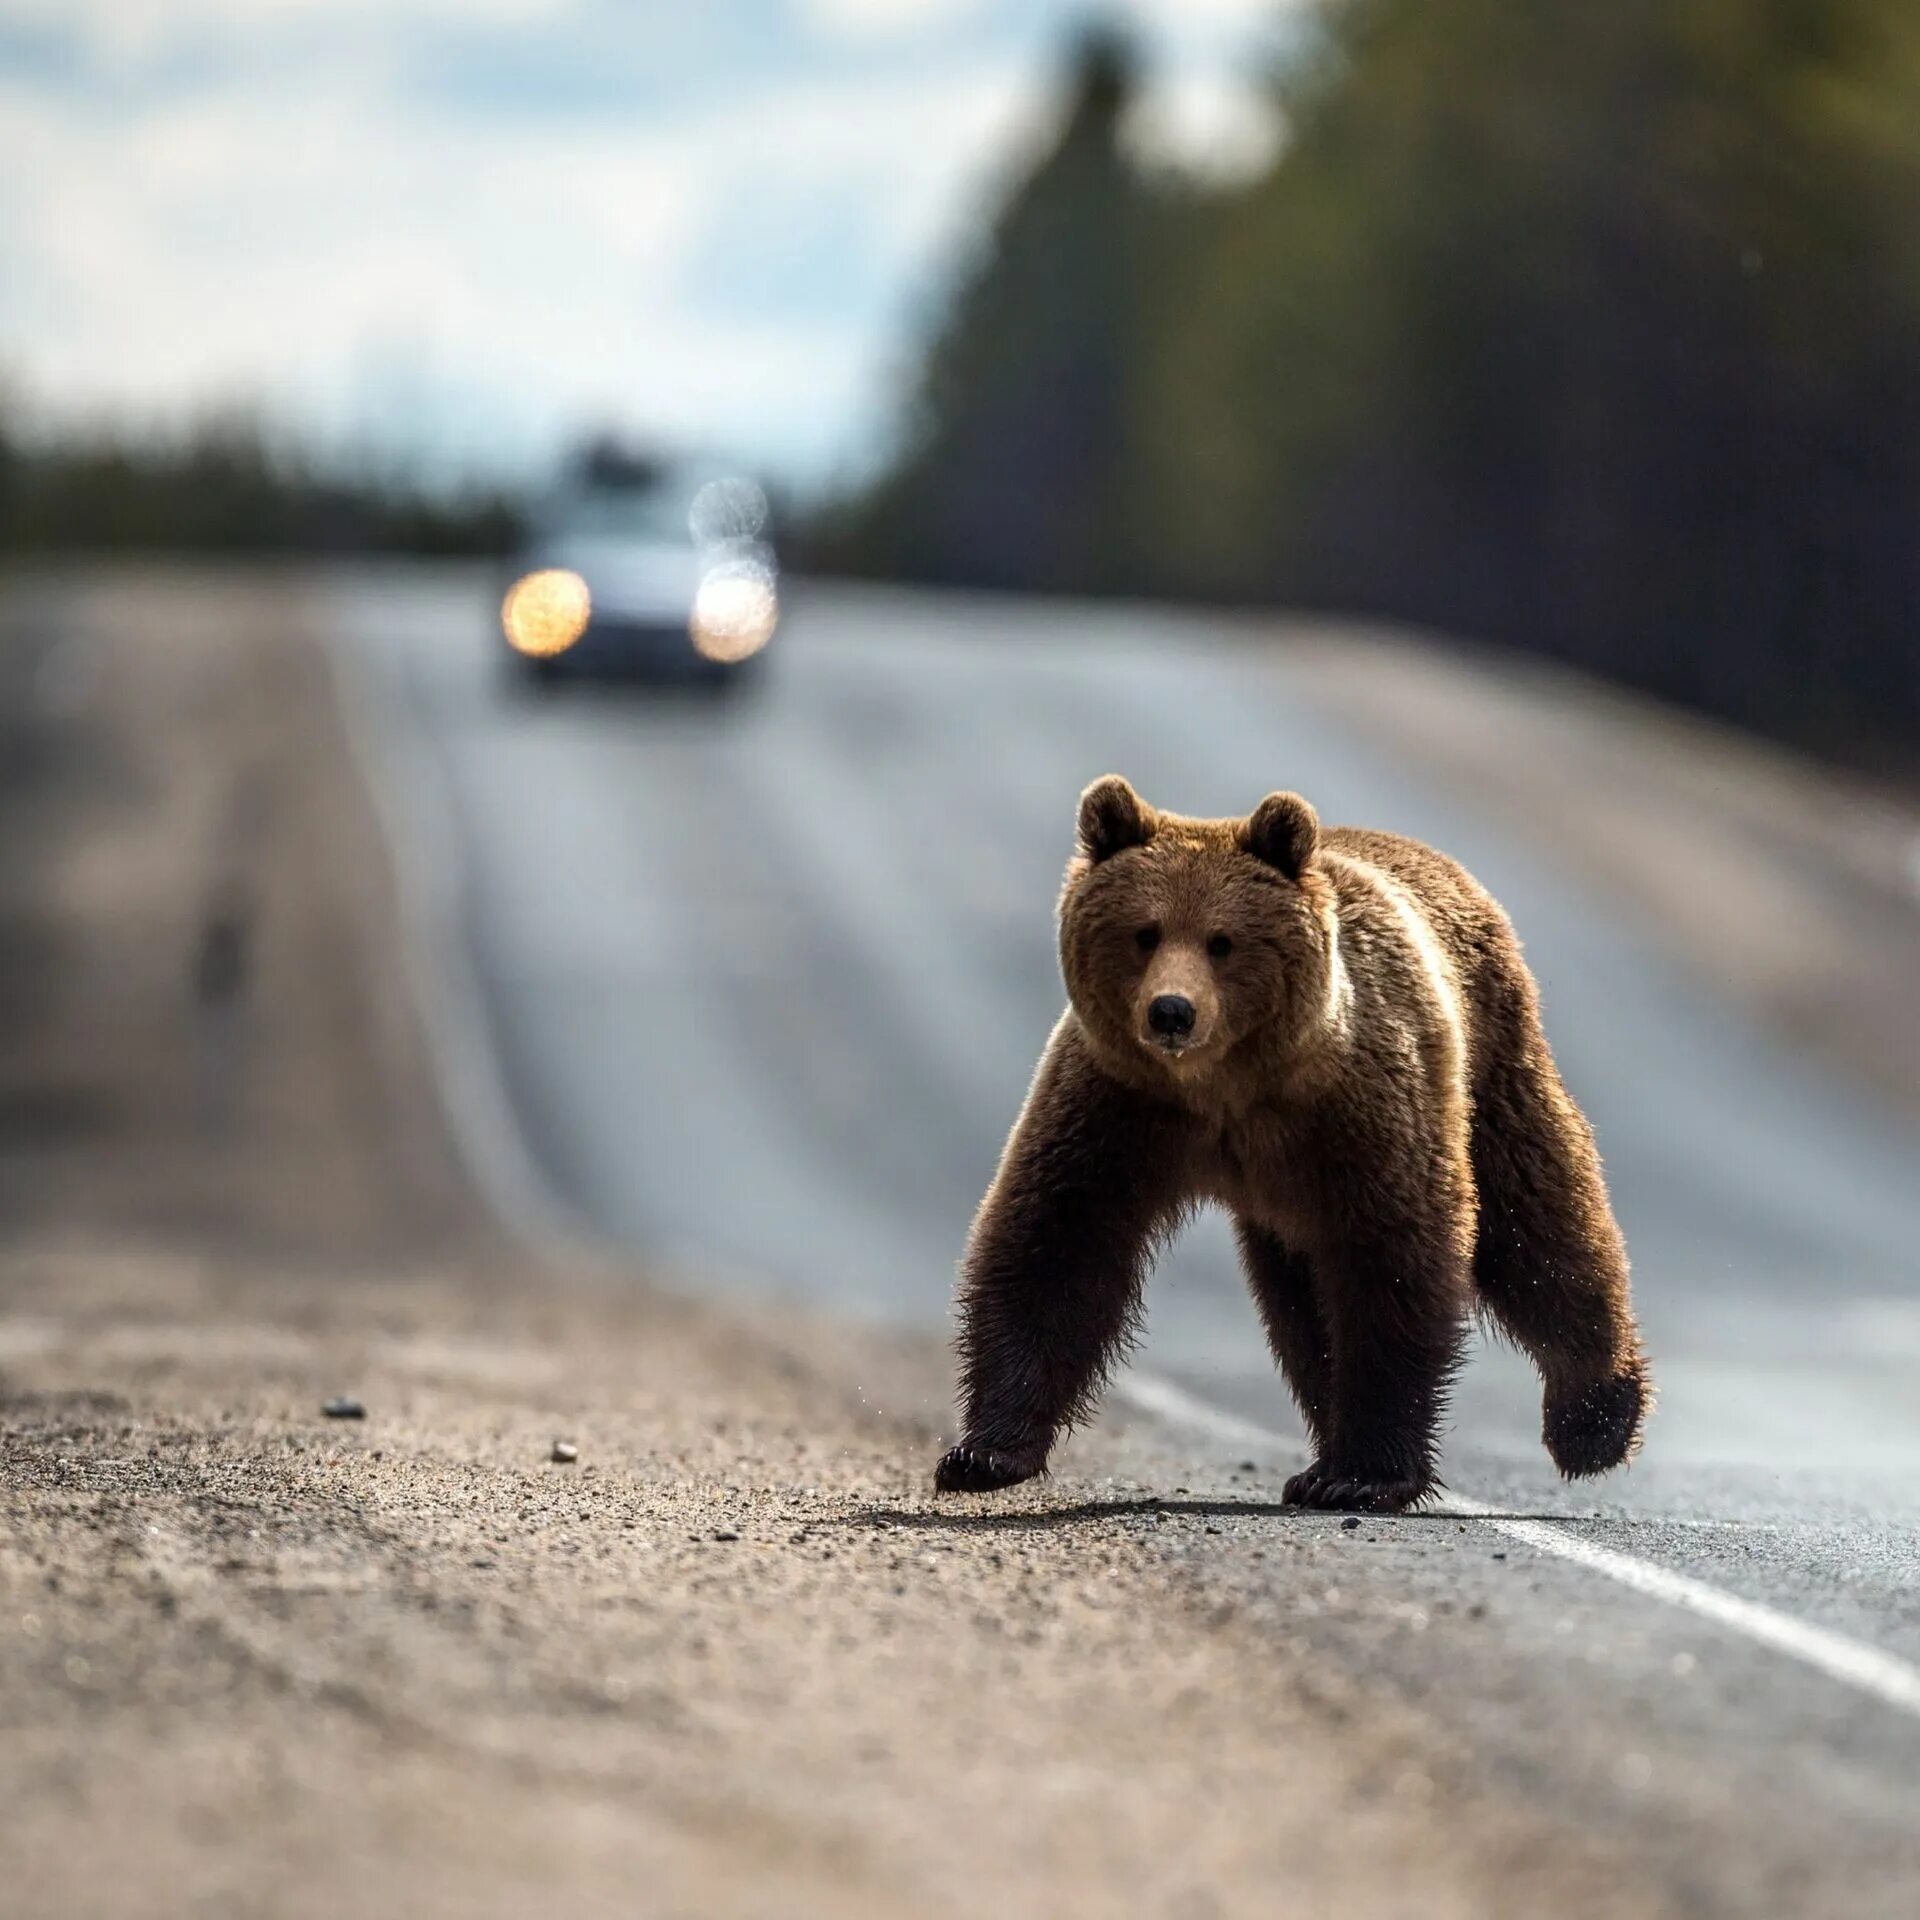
544	613
734	613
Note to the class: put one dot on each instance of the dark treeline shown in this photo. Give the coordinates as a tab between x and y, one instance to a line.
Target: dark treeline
1590	329
221	487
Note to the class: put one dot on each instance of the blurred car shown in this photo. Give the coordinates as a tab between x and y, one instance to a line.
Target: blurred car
644	570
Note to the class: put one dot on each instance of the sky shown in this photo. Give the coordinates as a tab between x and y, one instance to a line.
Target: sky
455	233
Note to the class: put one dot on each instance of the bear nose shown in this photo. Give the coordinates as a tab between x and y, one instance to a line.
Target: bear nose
1171	1016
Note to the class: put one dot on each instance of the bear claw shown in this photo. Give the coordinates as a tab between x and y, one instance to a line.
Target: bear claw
975	1469
1330	1491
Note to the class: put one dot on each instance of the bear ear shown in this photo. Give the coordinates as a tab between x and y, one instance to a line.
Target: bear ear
1284	831
1113	818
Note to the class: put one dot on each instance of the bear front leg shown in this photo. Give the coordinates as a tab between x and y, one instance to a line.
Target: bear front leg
1282	1284
1050	1285
1396	1311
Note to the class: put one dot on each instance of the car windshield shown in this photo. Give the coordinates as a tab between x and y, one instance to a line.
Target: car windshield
654	511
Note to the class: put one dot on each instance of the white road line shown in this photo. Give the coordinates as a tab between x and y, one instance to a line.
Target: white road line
1889	1679
430	862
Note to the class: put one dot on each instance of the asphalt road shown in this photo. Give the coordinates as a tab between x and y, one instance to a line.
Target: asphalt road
765	981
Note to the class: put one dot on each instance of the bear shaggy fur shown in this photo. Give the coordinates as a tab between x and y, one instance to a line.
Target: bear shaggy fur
1331	1033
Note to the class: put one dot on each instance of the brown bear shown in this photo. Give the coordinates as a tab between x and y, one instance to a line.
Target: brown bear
1331	1033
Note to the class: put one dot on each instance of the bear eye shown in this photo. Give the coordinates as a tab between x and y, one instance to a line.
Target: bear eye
1219	946
1147	939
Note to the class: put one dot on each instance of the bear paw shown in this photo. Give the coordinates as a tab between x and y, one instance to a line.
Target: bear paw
969	1468
1595	1426
1331	1490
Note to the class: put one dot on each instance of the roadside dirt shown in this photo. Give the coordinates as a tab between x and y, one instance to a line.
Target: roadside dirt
730	1659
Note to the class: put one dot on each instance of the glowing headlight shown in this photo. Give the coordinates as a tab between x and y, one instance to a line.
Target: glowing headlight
734	613
544	613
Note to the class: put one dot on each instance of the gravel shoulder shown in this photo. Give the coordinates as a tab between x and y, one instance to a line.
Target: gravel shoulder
730	1659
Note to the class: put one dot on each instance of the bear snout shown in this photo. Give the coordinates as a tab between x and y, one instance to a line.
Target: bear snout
1176	1005
1170	1018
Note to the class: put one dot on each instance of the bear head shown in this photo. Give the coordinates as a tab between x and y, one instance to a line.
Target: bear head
1187	944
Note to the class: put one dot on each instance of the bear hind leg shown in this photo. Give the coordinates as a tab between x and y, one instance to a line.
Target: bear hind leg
1551	1268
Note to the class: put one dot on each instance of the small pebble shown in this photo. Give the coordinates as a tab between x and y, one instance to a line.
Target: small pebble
1349	1524
723	1534
341	1407
564	1452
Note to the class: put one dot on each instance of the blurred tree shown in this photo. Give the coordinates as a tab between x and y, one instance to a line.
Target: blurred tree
223	488
1591	329
1616	310
1016	462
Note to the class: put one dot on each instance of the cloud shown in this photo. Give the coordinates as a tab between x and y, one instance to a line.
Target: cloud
882	19
1219	125
281	242
119	33
474	222
1242	17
